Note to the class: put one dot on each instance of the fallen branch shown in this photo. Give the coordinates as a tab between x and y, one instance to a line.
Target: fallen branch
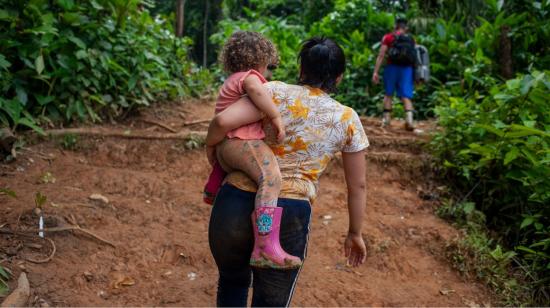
20	296
159	124
71	228
58	229
123	134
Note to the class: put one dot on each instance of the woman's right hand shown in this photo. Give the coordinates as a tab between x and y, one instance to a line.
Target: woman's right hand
355	249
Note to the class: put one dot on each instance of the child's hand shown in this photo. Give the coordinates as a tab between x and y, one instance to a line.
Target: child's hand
279	127
211	154
355	249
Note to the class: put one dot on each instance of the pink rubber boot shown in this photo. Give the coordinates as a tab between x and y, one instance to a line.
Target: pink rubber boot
268	252
213	184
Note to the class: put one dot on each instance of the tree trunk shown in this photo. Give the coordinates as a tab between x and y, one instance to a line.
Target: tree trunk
180	17
205	33
505	56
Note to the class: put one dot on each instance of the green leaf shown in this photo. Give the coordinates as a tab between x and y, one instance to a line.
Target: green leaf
468	207
530	156
66	4
81	54
5	64
8	192
4	273
517	130
21	95
77	41
4	15
491	129
30	123
80	109
528	250
39	200
96	5
511	155
132	82
527	221
39	64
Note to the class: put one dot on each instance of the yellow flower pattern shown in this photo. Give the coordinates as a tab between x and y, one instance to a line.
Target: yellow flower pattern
317	128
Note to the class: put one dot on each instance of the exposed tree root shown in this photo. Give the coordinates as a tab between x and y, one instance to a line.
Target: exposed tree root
58	229
124	134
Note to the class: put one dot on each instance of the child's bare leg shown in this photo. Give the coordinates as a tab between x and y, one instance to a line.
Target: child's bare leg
256	159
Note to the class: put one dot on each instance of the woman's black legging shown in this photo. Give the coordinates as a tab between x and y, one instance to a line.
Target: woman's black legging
231	241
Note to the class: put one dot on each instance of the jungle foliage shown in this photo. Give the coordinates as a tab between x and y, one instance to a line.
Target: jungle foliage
70	60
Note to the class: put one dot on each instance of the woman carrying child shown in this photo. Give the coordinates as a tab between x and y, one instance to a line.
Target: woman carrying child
317	127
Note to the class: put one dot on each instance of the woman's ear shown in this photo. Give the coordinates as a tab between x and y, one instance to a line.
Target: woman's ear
339	78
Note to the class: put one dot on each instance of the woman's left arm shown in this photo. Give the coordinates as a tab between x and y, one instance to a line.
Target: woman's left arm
240	113
355	173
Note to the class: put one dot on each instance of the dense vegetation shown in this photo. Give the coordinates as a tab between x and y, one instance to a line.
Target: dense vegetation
66	60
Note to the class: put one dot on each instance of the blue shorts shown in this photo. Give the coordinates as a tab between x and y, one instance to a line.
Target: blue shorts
398	78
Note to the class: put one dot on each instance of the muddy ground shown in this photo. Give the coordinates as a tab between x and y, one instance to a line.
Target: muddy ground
157	221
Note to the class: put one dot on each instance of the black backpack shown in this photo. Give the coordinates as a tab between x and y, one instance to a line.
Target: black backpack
402	51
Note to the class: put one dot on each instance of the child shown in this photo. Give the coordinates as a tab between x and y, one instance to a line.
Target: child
246	56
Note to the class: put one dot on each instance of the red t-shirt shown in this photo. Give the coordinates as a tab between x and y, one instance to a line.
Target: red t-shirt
388	41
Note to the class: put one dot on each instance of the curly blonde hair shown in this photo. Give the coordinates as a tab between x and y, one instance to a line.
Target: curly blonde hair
246	50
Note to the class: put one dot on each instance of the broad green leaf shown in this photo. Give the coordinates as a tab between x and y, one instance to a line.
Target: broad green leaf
468	207
77	41
530	156
511	155
517	130
39	64
526	84
96	5
30	124
81	54
527	221
491	129
66	4
4	15
132	82
80	109
21	95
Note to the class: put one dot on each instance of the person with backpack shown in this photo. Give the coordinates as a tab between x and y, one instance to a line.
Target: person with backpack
398	72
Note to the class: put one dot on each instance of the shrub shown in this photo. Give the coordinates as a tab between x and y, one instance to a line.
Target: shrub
65	60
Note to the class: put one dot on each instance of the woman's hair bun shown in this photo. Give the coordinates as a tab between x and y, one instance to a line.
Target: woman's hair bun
322	61
319	52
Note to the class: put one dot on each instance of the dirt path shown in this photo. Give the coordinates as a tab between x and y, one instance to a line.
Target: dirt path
157	220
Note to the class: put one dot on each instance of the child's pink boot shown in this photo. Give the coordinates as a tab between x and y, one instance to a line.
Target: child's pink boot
213	184
268	252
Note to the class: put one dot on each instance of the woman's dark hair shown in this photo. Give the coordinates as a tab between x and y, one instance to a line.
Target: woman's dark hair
322	61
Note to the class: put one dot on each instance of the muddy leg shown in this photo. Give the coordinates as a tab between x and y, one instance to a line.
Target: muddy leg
256	159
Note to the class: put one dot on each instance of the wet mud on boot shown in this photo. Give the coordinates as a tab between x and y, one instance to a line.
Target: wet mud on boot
267	252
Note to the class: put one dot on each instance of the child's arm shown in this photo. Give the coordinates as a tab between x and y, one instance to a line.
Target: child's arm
242	112
261	98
